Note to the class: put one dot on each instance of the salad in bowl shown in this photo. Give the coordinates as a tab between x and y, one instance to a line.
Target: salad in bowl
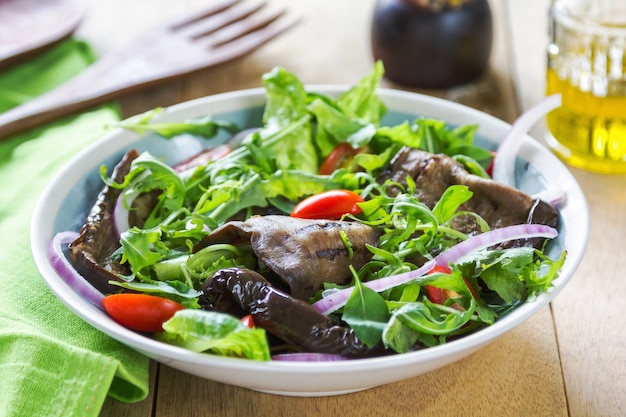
322	228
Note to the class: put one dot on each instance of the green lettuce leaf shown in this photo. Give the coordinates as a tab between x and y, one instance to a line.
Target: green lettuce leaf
361	100
335	127
219	333
287	104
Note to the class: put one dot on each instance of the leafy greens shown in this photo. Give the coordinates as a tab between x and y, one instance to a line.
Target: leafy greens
277	165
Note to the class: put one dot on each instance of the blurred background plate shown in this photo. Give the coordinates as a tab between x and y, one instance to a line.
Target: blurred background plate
28	26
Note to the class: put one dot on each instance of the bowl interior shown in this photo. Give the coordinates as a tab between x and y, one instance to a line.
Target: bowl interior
71	193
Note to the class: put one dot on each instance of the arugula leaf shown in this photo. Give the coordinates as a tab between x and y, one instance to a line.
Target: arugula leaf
486	314
194	269
204	127
207	261
539	278
366	312
422	321
513	273
225	199
400	338
450	201
472	166
438	137
502	273
353	117
141	248
430	318
148	174
175	290
293	185
433	135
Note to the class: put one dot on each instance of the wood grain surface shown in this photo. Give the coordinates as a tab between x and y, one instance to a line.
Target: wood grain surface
568	360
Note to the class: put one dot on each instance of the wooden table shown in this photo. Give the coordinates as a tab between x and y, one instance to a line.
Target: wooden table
570	359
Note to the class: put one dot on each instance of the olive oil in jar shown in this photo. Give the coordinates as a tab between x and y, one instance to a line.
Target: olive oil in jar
587	66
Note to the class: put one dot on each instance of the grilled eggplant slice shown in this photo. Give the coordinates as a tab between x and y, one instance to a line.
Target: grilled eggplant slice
291	320
302	253
498	204
91	251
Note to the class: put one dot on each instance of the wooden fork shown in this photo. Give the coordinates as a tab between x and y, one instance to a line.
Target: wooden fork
224	32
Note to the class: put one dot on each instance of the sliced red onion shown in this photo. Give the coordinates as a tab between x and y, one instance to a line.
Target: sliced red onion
504	161
308	357
493	237
120	216
552	196
66	271
476	243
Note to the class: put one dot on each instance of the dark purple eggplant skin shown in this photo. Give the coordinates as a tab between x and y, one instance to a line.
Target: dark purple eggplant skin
426	48
91	251
292	320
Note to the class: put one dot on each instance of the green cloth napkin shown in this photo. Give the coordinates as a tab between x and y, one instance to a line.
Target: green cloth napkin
51	362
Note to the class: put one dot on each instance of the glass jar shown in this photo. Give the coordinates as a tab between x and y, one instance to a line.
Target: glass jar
587	66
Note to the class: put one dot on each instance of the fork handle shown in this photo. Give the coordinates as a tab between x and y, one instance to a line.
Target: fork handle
97	84
43	109
136	67
104	80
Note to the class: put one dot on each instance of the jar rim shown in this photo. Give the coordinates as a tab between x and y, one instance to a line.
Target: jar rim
592	17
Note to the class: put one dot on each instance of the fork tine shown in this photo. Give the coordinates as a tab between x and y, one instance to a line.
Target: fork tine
240	28
252	40
210	23
213	9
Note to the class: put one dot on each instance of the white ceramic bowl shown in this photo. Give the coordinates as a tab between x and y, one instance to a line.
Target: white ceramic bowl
65	202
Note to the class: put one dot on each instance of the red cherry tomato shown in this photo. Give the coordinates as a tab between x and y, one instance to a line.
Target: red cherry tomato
330	204
340	157
437	295
140	312
472	290
248	321
489	169
441	269
203	158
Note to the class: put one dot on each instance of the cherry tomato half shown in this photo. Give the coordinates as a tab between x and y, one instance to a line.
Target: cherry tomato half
248	321
340	157
203	158
441	269
489	169
437	295
472	290
330	204
140	312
